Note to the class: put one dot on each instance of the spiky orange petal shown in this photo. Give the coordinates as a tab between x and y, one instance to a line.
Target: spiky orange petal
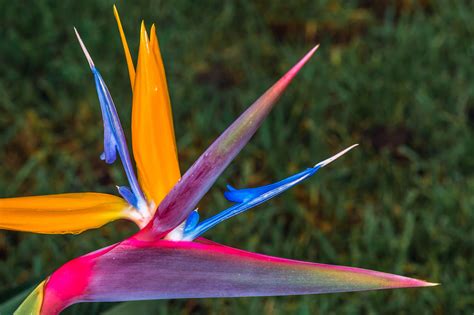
154	146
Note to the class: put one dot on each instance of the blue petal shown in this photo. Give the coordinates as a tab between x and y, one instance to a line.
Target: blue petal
128	195
247	194
110	144
114	138
192	221
251	197
248	198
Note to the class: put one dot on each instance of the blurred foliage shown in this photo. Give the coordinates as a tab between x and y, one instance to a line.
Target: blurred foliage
394	76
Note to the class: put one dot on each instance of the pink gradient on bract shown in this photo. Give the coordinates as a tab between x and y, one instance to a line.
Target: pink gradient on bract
136	270
210	246
69	282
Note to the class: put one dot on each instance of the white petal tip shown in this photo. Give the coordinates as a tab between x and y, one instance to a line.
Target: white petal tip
431	284
336	156
312	51
84	49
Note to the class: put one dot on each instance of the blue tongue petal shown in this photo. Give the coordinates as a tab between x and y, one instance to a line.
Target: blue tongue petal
191	221
114	138
248	198
246	194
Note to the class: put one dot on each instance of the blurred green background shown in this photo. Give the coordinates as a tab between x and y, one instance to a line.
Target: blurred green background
394	76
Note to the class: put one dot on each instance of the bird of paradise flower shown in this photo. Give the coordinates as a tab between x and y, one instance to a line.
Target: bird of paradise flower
168	258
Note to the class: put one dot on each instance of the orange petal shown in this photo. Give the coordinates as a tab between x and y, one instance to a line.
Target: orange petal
155	48
62	213
154	145
128	56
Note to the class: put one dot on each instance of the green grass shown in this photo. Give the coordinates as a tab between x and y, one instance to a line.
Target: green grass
396	78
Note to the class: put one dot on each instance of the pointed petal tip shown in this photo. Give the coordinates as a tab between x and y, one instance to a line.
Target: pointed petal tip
152	33
296	68
431	284
144	34
115	10
336	156
405	282
128	56
313	50
310	53
421	284
84	49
